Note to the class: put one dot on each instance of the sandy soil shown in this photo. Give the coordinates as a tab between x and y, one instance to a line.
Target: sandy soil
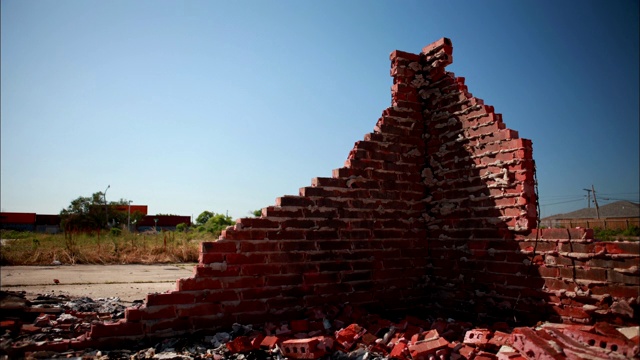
128	282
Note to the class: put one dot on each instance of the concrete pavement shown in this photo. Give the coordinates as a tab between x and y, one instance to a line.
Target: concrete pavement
128	282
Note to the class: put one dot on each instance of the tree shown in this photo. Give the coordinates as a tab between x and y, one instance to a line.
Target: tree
85	213
91	213
213	222
204	217
257	213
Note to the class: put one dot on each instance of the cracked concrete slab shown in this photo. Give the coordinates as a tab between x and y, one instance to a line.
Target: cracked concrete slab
128	282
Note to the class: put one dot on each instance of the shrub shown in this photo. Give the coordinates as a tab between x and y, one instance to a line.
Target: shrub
632	231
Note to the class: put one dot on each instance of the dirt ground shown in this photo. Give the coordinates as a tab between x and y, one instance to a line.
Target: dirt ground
128	282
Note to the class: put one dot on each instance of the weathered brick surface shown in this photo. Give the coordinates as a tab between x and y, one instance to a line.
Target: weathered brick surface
435	210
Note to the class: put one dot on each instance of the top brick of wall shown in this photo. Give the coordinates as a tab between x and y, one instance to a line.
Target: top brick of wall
439	179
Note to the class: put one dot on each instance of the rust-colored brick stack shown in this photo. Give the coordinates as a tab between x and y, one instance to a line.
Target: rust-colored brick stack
434	210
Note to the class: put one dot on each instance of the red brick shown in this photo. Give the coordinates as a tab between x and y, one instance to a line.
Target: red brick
158	312
443	43
133	314
269	342
632	248
232	234
248	306
298	326
260	293
526	341
189	284
413	332
207	258
240	344
258	246
348	336
616	290
320	278
285	302
294	201
313	348
258	223
120	328
243	282
329	182
467	352
477	337
172	298
397	54
323	234
283	280
208	271
329	245
27	328
218	246
239	259
298	224
286	235
399	351
422	349
261	269
176	325
212	322
206	309
273	211
619	345
256	341
334	266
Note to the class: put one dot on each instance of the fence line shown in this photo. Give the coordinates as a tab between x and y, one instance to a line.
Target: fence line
613	224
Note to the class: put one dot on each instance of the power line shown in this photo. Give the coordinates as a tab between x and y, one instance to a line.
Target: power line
615	199
562	202
561	196
629	193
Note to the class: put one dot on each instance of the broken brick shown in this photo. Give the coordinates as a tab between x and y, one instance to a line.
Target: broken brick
269	342
241	344
312	348
348	336
477	337
399	351
422	349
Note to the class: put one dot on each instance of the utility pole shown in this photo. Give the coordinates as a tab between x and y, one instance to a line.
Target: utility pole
129	218
588	198
106	207
595	201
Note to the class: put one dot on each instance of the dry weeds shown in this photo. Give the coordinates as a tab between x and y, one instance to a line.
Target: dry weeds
20	248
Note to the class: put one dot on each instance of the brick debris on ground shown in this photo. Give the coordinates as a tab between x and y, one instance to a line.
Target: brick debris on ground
53	323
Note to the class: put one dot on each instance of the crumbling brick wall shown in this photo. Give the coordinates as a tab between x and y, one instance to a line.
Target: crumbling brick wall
435	210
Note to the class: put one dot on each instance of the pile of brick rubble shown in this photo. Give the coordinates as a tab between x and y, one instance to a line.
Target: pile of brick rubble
46	327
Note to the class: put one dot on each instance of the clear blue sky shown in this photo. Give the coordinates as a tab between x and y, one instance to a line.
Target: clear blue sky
188	106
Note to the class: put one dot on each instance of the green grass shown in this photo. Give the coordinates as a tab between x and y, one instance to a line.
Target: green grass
611	234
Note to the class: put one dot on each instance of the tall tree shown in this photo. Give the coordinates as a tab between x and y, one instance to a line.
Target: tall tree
91	212
85	213
204	217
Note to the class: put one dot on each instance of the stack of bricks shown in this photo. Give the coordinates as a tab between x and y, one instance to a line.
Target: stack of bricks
435	210
582	280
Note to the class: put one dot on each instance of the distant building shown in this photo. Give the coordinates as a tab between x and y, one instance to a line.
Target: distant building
132	208
18	221
161	222
51	223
